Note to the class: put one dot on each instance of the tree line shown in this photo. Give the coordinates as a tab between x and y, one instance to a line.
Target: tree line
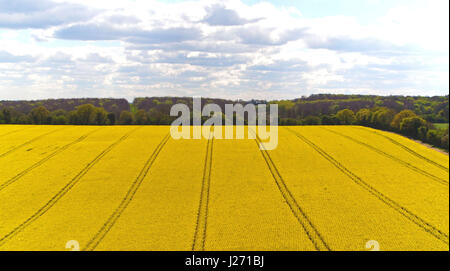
410	116
86	114
405	122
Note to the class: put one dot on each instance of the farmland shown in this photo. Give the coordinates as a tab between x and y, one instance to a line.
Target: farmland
136	188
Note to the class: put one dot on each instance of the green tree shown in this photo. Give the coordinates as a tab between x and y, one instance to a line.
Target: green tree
60	120
311	120
346	116
422	133
73	118
111	118
141	117
364	116
101	116
40	115
445	141
155	117
86	114
288	121
6	115
23	119
329	120
434	137
410	126
400	116
382	118
59	112
126	118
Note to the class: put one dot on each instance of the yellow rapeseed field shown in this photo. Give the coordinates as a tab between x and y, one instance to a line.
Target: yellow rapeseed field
136	188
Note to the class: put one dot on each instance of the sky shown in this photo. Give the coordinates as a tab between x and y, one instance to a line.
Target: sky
236	49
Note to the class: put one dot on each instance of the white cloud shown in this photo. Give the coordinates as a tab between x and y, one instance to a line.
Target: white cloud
74	48
19	14
425	24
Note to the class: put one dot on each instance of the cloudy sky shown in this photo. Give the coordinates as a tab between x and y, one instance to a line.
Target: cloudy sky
225	49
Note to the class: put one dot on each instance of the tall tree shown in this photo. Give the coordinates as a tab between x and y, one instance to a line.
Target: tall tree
364	116
410	126
141	117
86	114
346	116
126	118
40	115
400	116
6	115
382	118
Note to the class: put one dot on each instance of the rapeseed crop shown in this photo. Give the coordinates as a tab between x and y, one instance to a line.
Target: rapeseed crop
421	195
346	214
136	188
164	208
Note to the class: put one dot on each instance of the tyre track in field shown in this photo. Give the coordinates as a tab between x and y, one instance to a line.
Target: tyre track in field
311	231
45	159
63	190
107	226
29	142
398	160
429	228
15	131
406	148
202	214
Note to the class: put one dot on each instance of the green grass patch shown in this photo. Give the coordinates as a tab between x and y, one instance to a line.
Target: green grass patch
441	126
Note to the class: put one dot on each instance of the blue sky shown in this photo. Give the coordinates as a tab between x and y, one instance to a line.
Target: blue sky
229	49
364	10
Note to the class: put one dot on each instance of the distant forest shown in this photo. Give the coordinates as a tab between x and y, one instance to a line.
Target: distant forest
413	116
